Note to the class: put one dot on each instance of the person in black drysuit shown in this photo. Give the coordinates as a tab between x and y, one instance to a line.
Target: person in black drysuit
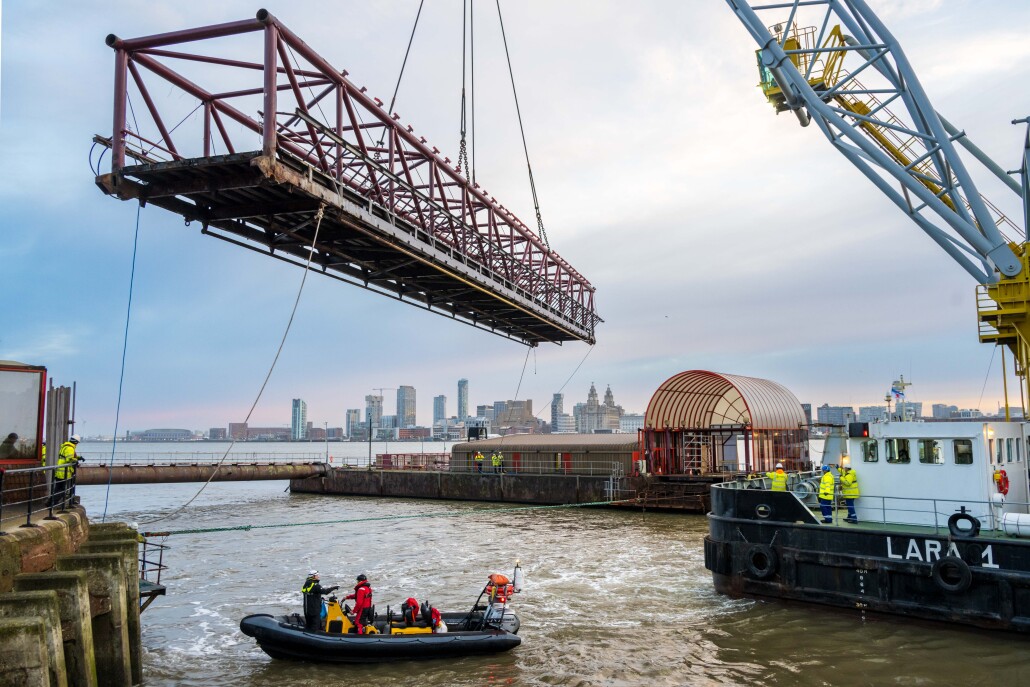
313	592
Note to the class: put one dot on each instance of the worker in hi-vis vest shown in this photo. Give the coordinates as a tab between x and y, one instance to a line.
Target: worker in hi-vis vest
827	487
779	478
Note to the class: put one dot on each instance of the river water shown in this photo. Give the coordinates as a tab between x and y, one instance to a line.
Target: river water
611	597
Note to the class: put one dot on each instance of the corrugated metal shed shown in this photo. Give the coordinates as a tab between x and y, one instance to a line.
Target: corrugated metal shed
700	399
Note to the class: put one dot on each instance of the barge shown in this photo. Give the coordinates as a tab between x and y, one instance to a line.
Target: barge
942	531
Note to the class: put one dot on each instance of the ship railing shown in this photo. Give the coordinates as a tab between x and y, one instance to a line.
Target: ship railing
932	512
27	493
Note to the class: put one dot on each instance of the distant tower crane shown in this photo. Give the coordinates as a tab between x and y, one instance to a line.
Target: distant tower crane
813	71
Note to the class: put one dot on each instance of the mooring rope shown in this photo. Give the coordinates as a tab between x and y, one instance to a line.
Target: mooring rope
478	512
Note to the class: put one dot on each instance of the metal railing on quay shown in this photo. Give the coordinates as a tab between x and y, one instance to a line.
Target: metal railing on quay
28	492
443	462
600	468
202	458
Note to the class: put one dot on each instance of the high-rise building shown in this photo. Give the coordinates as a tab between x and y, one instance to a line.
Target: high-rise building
835	415
807	408
373	409
353	420
463	399
484	411
871	413
299	423
439	410
238	431
943	411
217	434
557	408
630	423
406	406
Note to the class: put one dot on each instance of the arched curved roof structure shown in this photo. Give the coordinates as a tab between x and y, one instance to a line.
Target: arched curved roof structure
698	399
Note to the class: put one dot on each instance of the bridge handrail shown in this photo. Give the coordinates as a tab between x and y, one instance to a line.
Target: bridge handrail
200	457
451	209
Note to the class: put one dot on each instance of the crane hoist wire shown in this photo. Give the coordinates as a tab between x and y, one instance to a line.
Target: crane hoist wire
522	131
468	39
404	63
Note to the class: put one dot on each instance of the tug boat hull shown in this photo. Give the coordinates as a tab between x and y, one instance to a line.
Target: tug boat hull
764	544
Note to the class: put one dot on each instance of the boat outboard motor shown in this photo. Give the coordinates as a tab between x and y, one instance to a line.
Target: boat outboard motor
426	612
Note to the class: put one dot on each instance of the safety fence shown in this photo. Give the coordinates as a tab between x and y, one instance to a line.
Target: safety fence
201	457
29	492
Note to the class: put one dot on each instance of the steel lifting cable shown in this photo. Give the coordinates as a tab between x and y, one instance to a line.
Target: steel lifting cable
471	512
522	130
404	63
282	343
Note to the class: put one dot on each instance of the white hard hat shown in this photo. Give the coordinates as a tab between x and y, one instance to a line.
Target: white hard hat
313	573
779	465
75	438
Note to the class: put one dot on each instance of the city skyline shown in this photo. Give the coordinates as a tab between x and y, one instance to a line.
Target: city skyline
350	417
836	293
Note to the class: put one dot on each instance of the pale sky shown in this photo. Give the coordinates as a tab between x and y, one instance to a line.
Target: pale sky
719	236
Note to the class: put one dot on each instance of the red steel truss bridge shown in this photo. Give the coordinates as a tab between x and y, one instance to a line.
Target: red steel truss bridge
286	134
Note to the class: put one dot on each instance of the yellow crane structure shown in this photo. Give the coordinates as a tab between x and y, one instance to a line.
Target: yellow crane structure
812	71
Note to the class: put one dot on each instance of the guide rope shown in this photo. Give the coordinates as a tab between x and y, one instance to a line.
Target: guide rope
121	375
261	391
473	512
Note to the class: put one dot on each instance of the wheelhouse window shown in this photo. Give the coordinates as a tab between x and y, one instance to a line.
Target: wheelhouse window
897	450
870	453
930	452
997	449
963	452
1019	450
1008	450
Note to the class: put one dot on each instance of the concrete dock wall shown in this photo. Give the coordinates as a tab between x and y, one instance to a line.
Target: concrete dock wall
537	489
160	474
69	604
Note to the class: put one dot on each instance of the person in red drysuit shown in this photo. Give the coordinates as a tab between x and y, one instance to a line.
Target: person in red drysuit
362	603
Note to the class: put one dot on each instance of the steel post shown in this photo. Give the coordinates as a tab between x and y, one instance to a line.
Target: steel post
121	67
28	504
268	143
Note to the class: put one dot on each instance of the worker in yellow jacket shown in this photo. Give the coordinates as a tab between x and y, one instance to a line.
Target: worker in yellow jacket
779	478
827	487
67	460
849	490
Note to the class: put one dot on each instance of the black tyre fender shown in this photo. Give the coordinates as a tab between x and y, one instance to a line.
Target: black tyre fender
761	561
958	532
951	574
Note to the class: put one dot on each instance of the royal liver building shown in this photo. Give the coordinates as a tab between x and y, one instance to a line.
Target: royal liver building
597	417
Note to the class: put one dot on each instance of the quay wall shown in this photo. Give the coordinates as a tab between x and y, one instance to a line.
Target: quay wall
428	484
69	603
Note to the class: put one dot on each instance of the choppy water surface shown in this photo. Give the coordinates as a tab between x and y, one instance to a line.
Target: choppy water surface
612	598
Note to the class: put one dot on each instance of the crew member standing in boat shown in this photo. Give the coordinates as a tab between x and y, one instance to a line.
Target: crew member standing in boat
779	478
826	489
498	462
313	592
849	488
362	603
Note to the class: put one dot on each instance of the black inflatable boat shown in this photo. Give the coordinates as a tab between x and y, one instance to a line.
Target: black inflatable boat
285	637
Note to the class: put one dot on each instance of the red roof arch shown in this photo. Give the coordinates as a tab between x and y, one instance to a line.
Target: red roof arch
699	399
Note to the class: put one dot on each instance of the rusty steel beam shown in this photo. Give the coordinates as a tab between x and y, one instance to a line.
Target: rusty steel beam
396	195
196	472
